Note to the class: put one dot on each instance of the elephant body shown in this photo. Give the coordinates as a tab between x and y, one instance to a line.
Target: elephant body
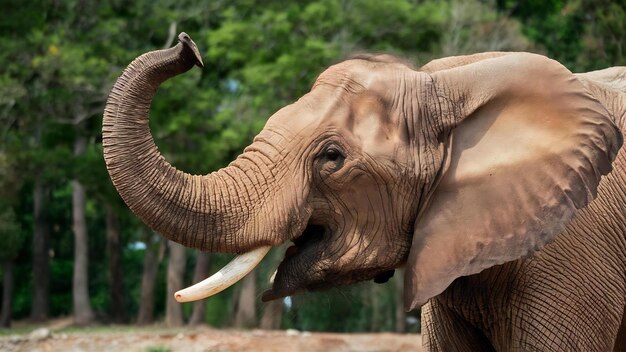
496	180
569	296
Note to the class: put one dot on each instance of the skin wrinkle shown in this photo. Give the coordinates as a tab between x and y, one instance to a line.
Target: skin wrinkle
207	199
259	171
270	187
192	199
230	194
179	211
380	178
250	182
337	250
266	159
169	183
222	205
241	175
199	204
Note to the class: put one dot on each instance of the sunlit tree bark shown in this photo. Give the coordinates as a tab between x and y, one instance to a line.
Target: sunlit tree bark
399	296
7	293
175	275
201	272
116	275
272	315
41	257
155	247
83	314
244	309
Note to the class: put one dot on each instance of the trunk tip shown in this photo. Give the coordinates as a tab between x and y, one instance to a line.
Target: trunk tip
188	43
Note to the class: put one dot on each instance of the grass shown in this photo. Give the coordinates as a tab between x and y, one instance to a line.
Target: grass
18	330
157	349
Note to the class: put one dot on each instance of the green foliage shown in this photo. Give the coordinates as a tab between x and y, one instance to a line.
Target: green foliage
9	179
361	308
61	270
582	34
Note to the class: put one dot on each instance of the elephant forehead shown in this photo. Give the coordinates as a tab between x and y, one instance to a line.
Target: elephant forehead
313	113
359	74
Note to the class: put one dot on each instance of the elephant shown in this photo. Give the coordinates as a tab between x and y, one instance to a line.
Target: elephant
497	180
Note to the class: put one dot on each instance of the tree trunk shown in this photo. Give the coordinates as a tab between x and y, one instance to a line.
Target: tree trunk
41	255
375	297
151	261
83	314
272	315
116	276
399	292
273	310
175	275
245	311
7	294
201	272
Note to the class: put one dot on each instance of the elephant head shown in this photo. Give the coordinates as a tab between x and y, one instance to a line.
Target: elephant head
446	170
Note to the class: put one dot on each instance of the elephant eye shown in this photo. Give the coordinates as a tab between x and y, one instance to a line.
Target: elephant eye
332	158
332	154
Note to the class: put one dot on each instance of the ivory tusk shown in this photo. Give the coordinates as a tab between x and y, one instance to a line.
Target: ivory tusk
239	267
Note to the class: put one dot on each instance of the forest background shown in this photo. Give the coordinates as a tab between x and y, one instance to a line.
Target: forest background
70	247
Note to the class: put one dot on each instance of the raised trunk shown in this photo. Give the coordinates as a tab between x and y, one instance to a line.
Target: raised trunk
376	319
151	261
175	275
41	257
216	212
7	294
203	266
116	276
399	296
80	284
272	315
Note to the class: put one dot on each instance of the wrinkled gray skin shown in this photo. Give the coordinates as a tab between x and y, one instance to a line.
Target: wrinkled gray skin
454	171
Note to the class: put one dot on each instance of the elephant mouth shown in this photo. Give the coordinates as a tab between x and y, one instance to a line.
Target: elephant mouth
302	253
303	269
241	265
312	234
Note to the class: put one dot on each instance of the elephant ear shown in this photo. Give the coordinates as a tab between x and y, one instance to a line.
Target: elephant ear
527	148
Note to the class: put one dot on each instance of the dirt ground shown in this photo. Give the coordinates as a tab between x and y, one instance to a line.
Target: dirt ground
130	338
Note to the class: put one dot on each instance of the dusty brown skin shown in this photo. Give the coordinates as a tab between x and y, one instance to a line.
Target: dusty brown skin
456	171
